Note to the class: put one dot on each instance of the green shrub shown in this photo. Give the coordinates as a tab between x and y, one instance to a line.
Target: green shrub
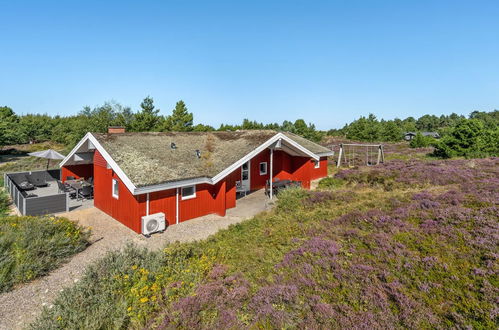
420	141
331	183
4	202
32	246
470	139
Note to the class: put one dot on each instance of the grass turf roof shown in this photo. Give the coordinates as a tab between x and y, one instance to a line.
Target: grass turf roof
147	158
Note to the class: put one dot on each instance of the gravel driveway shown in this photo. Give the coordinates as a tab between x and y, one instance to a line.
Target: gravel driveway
21	306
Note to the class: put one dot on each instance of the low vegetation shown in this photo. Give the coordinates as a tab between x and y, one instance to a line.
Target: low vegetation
406	244
33	246
4	201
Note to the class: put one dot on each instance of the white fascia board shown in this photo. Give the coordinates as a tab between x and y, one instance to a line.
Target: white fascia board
325	154
171	185
73	151
243	160
298	146
131	187
89	137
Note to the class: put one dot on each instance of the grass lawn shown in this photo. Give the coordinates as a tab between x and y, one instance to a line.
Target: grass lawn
410	244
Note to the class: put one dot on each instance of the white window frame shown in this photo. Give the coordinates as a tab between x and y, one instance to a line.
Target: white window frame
190	196
260	168
317	164
117	183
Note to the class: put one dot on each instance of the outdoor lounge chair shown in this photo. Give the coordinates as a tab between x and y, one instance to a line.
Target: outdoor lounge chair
25	185
86	192
37	179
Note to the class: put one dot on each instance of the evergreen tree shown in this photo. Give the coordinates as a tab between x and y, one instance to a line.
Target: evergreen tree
469	138
125	118
420	141
8	125
180	120
391	131
147	119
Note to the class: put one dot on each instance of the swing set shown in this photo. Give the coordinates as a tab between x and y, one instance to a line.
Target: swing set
360	154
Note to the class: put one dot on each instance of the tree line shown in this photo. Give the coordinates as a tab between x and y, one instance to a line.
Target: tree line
68	130
371	129
480	129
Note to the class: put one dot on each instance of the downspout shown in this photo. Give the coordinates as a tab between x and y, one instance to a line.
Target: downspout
271	170
176	207
147	204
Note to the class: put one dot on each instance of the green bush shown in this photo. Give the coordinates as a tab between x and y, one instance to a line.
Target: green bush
331	183
32	246
420	141
4	202
470	139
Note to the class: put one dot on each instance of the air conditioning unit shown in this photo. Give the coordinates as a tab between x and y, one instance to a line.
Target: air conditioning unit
153	223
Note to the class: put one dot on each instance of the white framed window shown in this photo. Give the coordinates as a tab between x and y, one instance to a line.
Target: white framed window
116	189
317	164
263	168
188	192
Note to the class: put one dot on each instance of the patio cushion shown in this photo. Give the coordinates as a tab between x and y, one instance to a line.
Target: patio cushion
25	185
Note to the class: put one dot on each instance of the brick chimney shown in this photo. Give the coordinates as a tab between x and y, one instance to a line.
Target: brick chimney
115	129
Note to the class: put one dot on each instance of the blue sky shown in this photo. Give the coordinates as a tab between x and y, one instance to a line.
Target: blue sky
325	61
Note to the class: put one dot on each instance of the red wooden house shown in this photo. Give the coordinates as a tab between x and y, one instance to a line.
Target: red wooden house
187	175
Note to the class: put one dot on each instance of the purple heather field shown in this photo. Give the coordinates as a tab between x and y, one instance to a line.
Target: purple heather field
427	259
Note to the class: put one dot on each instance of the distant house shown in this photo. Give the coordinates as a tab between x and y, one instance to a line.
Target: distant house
190	174
410	135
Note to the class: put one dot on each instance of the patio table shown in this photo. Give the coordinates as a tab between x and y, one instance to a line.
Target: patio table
77	185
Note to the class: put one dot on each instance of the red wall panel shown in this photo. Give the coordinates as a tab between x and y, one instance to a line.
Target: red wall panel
163	201
209	199
78	171
230	188
128	209
257	181
321	172
282	166
99	160
302	168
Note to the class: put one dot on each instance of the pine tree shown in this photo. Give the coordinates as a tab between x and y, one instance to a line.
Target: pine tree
147	119
180	120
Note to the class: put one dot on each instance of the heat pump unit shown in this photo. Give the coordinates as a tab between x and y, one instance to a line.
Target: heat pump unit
153	223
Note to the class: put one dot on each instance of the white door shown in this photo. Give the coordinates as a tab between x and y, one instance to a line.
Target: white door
245	176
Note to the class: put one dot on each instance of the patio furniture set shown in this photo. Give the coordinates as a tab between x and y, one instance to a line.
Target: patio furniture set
78	189
32	181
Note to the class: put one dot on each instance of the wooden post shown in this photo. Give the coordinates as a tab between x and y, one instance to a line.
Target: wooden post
176	207
339	155
379	155
67	202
